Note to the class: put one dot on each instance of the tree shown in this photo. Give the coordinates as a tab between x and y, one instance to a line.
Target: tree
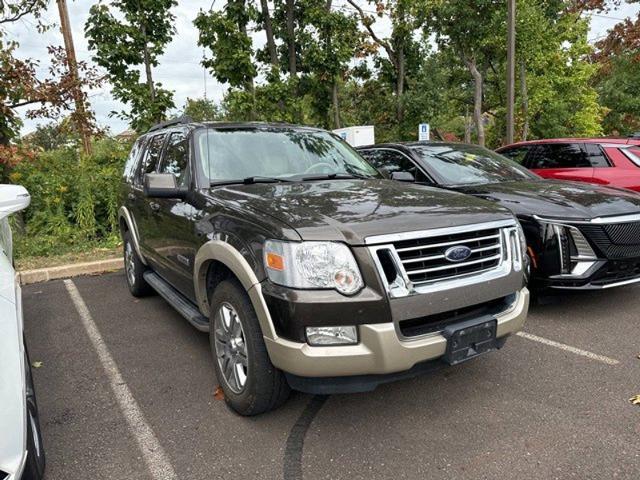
225	34
327	43
202	110
618	58
20	86
134	36
406	16
14	10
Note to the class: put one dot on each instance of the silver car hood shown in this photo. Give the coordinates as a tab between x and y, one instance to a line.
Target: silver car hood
12	372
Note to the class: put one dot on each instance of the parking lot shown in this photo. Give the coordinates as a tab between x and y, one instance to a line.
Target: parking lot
126	390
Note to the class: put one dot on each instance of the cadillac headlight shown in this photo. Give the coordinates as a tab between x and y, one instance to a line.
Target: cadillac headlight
312	265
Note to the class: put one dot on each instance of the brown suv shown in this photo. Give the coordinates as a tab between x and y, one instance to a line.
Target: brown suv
307	268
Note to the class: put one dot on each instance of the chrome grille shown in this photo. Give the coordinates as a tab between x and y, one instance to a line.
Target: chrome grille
424	260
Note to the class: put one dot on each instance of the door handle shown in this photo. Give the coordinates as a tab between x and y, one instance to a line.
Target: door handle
155	207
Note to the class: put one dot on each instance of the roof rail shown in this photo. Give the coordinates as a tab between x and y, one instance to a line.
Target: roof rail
170	123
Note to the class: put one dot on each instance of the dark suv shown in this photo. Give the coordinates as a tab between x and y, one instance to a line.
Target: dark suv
307	268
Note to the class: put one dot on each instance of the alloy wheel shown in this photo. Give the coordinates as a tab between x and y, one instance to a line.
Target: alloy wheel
129	262
231	348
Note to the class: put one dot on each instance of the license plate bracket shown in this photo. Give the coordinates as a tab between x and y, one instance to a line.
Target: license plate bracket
469	339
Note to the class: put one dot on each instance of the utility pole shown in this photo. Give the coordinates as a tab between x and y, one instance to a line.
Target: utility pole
81	113
511	67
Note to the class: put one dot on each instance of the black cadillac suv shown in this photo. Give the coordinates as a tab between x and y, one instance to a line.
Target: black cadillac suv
579	236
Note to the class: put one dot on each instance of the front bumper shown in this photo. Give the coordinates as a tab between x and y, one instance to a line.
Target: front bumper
380	351
602	275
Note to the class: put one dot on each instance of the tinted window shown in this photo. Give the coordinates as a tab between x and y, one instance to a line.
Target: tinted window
132	160
460	164
175	159
560	155
229	155
150	157
390	161
596	156
517	154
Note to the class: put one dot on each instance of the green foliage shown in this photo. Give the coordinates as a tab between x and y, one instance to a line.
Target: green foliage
134	36
52	136
74	201
201	110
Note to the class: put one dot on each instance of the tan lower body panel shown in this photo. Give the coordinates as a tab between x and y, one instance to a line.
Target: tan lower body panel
380	351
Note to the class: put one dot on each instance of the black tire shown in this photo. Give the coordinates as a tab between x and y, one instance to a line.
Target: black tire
35	466
265	386
134	268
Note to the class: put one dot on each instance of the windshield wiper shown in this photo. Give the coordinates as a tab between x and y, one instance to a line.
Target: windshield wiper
251	180
332	176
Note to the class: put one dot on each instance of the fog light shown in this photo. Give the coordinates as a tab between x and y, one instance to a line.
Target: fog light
332	335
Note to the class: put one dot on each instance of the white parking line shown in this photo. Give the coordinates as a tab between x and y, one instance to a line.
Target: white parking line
569	348
154	456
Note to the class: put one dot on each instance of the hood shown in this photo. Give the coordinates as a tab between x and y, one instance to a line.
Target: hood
352	210
558	199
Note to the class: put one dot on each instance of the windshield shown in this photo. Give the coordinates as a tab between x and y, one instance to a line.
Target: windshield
460	164
233	154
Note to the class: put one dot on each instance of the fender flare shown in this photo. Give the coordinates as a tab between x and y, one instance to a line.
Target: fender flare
229	256
124	214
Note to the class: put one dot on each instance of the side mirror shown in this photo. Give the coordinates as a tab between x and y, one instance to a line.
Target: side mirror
403	177
13	198
163	185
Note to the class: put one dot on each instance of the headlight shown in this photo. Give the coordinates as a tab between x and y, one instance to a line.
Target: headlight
312	265
575	252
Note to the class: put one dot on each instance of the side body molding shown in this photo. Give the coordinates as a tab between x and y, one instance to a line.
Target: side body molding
124	213
219	251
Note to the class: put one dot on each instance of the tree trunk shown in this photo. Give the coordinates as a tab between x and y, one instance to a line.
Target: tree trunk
249	85
268	28
336	104
477	100
291	40
467	126
525	101
400	83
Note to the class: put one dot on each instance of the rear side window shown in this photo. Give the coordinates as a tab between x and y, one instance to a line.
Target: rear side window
150	157
632	154
517	154
175	159
559	155
596	156
132	160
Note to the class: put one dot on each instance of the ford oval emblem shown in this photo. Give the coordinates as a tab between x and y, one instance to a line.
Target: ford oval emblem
459	253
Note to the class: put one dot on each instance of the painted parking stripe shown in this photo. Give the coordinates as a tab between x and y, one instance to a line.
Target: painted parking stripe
154	456
569	348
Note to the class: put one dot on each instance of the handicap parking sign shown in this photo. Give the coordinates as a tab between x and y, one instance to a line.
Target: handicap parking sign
423	132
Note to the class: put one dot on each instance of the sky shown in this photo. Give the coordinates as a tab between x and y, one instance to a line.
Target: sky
179	68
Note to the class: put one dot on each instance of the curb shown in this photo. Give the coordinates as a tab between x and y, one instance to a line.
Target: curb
74	270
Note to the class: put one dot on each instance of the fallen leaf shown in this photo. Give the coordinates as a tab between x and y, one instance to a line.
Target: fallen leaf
635	400
37	364
218	394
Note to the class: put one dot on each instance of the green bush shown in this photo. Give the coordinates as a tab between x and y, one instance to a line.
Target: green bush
74	199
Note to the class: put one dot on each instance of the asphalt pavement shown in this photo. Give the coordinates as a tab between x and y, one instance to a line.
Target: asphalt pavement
127	384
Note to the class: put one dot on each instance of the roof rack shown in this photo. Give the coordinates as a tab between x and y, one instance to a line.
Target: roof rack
170	123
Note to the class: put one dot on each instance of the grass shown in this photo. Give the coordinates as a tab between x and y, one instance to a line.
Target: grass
26	262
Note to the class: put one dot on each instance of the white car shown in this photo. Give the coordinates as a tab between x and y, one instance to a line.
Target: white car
21	451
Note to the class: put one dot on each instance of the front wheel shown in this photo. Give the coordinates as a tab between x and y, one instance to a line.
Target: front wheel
35	465
251	384
134	269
